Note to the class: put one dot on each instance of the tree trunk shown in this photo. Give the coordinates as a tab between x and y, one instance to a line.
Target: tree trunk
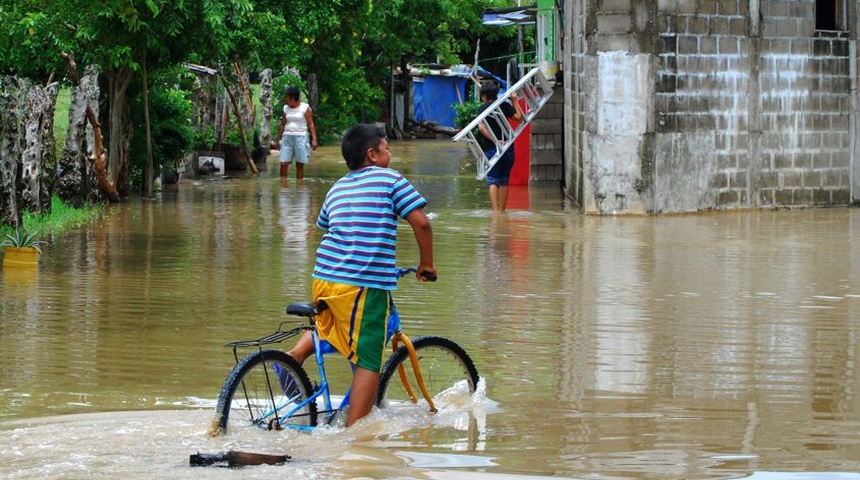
249	110
94	136
266	105
313	93
38	148
10	146
239	120
118	82
26	145
48	145
99	162
148	174
75	182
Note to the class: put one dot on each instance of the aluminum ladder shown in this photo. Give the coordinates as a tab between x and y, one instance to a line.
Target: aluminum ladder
535	89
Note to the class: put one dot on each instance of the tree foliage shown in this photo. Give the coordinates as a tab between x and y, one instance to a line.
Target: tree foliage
170	110
348	46
351	46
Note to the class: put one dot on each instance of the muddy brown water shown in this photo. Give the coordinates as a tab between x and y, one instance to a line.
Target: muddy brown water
700	346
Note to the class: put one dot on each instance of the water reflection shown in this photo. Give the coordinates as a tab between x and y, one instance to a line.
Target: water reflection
711	346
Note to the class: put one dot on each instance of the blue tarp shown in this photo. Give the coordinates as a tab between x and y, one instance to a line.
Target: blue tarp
434	97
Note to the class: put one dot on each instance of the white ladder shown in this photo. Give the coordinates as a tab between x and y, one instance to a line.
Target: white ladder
535	89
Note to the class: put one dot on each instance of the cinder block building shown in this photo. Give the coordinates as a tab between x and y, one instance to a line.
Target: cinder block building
690	105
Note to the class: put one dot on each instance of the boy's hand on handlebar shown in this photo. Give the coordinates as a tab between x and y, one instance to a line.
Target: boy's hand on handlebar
426	273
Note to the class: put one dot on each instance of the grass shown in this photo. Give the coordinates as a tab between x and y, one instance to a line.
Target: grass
61	117
62	217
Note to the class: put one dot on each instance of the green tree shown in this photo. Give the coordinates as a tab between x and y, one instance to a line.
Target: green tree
121	37
169	110
344	49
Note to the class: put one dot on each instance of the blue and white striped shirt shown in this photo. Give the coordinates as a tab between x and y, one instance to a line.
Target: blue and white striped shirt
360	218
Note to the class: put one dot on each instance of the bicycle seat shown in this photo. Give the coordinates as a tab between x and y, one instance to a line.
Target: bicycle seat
306	309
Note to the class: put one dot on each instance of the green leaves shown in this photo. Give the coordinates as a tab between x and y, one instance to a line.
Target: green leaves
19	239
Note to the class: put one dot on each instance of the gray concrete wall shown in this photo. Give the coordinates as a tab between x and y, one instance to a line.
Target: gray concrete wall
691	105
573	70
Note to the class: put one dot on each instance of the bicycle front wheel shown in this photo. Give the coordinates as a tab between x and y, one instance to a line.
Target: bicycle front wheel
267	389
446	368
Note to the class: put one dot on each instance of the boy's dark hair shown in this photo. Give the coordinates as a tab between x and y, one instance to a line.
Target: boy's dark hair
292	92
357	139
490	88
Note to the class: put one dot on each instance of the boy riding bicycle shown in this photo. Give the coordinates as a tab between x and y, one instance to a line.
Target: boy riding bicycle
354	271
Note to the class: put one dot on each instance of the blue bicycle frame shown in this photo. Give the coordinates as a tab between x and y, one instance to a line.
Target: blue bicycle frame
323	348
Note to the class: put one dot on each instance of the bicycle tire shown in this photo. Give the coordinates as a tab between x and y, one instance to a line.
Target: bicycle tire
443	363
252	394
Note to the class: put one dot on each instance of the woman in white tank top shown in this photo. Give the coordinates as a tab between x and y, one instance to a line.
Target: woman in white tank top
296	123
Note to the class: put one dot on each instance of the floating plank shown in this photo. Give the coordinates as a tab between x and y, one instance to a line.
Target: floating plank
235	459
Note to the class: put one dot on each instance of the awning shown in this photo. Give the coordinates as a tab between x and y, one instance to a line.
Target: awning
500	17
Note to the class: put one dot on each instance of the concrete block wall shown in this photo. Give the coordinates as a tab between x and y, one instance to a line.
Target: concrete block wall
743	108
547	140
573	69
704	97
805	105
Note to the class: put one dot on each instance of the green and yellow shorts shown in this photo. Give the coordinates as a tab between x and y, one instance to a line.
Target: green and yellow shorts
355	322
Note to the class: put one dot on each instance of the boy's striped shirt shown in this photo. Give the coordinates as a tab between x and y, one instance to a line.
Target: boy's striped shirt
360	216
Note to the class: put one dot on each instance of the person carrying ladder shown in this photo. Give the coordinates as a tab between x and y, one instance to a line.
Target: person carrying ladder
499	174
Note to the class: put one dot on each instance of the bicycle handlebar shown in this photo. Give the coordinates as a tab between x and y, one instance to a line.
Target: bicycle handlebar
430	277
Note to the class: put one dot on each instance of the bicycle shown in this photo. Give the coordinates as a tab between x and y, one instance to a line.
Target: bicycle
269	389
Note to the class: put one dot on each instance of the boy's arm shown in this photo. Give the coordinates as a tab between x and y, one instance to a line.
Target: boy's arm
424	237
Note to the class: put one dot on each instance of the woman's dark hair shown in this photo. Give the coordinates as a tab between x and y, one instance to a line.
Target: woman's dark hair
357	140
292	92
490	88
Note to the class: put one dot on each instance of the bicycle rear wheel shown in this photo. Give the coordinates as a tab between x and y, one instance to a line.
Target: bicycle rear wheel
445	367
265	390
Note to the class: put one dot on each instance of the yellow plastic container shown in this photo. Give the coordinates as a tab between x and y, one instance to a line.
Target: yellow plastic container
20	257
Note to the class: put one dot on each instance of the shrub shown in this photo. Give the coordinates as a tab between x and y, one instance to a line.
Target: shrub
172	134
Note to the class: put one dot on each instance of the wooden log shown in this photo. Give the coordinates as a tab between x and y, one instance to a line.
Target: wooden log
433	127
236	459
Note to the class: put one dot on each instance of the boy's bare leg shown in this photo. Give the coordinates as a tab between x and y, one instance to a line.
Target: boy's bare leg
363	396
303	349
300	171
285	168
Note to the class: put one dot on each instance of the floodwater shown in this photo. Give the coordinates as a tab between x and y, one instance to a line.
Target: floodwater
683	347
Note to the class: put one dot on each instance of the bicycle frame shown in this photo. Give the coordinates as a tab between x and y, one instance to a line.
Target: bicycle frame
394	334
323	389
